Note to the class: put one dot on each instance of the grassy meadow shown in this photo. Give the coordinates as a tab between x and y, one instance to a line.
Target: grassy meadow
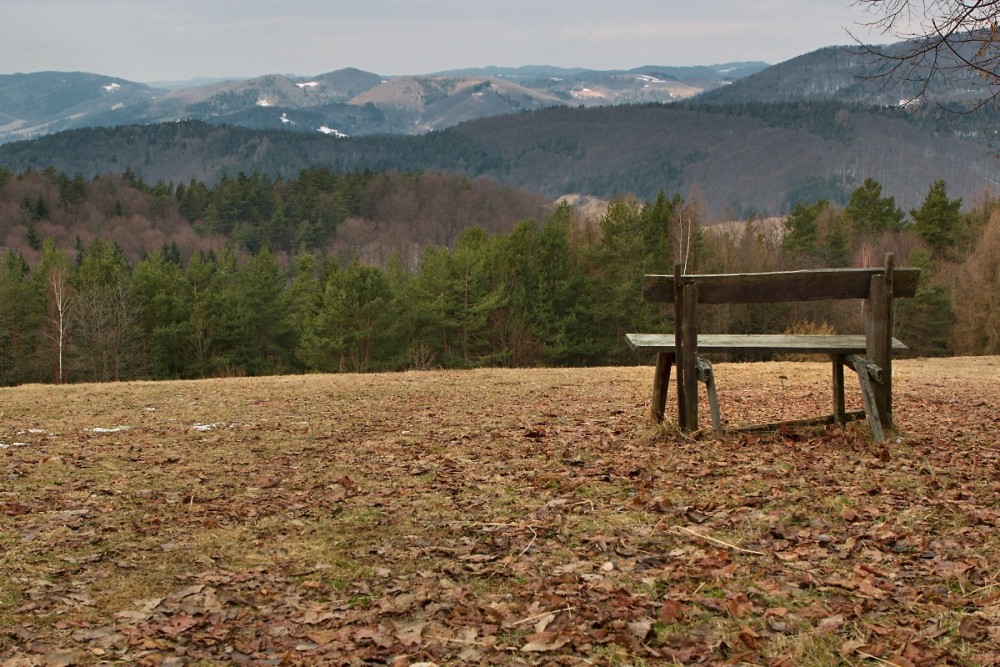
498	517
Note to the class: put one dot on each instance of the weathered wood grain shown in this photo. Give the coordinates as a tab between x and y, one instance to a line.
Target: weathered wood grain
781	286
753	343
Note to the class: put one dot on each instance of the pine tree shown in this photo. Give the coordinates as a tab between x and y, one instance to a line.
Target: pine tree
938	220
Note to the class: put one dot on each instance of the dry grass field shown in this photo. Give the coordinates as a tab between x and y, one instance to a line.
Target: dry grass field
498	517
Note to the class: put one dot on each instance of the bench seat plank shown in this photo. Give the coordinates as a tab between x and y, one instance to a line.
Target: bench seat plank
748	343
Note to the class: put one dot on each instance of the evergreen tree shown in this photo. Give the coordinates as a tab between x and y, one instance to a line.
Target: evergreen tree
267	337
870	213
938	220
925	322
163	317
21	311
802	230
107	313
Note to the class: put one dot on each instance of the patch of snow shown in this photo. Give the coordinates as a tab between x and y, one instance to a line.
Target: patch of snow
286	119
263	102
111	87
308	84
650	79
4	445
115	429
585	93
329	130
205	427
116	107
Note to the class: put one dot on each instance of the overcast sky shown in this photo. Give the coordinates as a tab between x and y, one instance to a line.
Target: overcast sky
165	40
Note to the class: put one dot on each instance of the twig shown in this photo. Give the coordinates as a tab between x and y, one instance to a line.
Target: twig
541	615
458	641
534	535
720	542
877	659
981	589
510	559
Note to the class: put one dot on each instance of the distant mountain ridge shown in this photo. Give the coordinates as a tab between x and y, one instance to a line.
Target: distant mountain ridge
811	128
343	102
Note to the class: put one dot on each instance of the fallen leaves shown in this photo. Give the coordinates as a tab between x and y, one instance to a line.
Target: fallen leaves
494	517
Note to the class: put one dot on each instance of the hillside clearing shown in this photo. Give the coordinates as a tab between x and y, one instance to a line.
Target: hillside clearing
497	517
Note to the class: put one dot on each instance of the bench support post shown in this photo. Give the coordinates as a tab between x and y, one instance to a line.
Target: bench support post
861	366
661	383
878	335
686	335
839	405
706	375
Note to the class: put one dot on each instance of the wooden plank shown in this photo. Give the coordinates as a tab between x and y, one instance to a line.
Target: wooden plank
706	375
756	343
781	286
793	423
871	407
839	404
878	332
678	340
688	356
661	382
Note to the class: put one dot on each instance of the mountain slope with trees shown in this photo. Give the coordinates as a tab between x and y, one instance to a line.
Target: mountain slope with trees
740	159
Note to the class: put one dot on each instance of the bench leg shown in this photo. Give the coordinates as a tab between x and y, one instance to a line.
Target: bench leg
871	405
706	375
661	382
839	405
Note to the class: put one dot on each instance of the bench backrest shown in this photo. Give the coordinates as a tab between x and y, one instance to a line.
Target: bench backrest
779	286
878	287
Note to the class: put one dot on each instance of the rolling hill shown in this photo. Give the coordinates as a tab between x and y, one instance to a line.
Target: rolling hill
347	101
736	163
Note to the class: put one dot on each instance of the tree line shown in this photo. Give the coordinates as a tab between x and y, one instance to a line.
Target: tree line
559	290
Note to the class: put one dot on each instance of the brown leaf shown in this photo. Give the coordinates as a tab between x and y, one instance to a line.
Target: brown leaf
322	637
672	610
545	641
641	628
831	623
749	637
410	633
177	625
64	659
971	628
378	635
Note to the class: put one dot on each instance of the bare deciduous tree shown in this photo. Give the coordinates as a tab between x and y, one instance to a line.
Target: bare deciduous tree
945	41
62	297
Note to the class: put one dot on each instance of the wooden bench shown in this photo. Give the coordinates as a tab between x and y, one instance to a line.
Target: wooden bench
869	354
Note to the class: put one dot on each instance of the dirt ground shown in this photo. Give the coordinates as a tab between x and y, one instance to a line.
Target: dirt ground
498	517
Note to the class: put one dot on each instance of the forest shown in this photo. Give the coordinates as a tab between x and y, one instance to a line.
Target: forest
112	278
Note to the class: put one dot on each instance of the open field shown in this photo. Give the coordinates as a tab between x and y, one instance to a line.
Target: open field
498	517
